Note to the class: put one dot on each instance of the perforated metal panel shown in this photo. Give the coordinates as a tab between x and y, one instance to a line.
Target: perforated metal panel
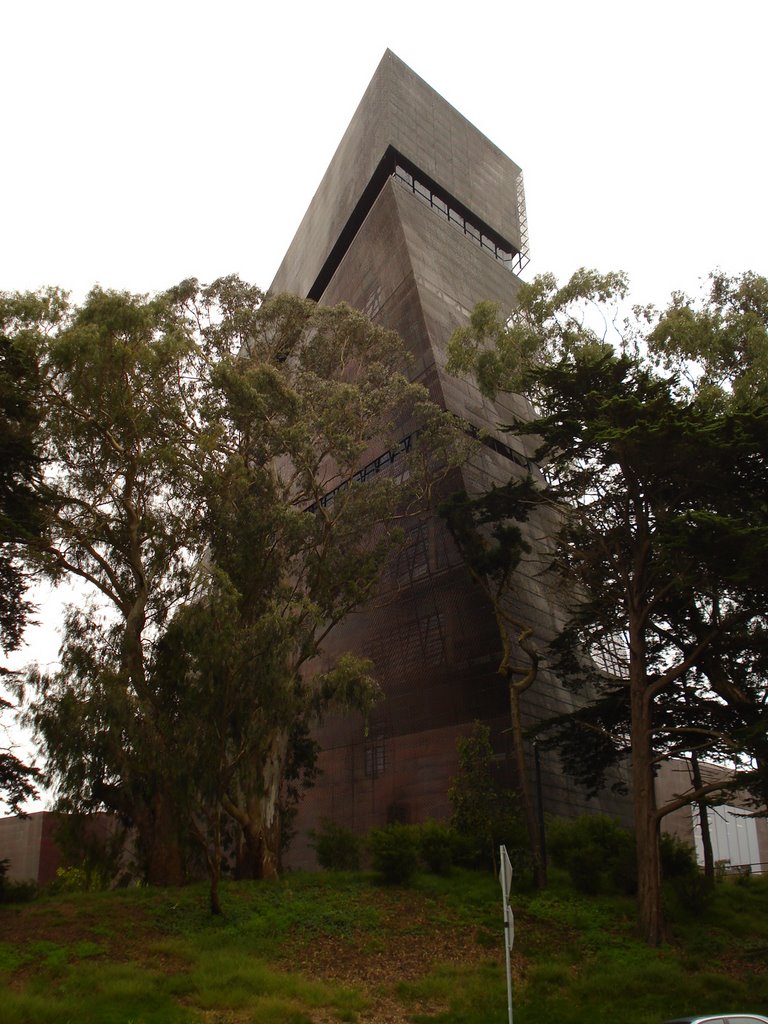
417	259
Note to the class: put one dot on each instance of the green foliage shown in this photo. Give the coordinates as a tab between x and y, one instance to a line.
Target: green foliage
492	545
678	858
437	844
688	894
597	852
548	324
337	848
23	508
484	813
687	889
179	434
94	846
655	442
599	856
394	852
720	348
473	793
15	892
171	961
82	878
72	879
17	779
493	553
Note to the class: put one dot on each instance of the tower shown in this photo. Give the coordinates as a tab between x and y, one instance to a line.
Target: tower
417	219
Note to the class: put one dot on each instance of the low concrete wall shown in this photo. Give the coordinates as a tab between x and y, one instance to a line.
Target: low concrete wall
21	843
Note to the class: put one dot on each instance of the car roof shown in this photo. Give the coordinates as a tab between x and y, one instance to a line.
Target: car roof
702	1018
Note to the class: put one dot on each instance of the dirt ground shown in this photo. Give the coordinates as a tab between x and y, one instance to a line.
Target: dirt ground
415	943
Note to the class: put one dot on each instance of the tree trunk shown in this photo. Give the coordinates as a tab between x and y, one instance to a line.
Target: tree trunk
644	796
262	848
259	815
214	861
159	839
703	809
215	903
529	810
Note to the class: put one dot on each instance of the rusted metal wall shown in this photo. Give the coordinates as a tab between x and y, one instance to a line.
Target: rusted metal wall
430	632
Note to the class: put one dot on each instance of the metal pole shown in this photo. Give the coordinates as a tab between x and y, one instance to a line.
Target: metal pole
505	872
507	950
540	803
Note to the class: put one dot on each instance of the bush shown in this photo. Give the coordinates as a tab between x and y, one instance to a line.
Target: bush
78	879
691	893
678	858
394	852
598	854
15	892
95	853
436	846
683	878
337	848
485	813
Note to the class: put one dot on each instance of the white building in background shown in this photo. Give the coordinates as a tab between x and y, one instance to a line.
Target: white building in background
734	836
739	840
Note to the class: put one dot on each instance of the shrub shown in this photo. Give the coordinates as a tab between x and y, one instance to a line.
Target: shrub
15	892
678	858
78	879
337	848
436	845
692	891
485	813
468	852
394	852
95	851
598	854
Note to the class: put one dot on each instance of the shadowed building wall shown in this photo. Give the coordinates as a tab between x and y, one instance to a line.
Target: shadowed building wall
417	219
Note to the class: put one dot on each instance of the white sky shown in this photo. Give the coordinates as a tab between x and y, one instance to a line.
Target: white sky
149	142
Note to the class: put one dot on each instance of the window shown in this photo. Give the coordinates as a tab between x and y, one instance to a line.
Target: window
375	756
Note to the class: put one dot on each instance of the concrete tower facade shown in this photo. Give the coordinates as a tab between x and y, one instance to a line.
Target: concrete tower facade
417	219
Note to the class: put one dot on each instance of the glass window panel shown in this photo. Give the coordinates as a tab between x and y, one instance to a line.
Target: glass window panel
404	176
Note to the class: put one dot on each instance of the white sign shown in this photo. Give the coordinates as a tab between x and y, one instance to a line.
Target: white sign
505	875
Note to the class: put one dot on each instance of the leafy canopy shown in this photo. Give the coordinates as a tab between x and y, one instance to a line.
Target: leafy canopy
653	438
226	476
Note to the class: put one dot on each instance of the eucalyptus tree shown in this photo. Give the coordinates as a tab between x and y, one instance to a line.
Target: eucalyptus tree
121	378
203	450
302	508
21	505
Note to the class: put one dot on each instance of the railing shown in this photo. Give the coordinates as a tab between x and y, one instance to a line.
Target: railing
442	203
383	461
386	459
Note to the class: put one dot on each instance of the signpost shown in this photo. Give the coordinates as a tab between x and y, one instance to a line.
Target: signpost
505	877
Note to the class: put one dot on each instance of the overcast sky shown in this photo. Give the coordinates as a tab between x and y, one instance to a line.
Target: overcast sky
149	142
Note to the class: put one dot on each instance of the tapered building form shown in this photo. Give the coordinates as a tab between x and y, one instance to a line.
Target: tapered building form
417	219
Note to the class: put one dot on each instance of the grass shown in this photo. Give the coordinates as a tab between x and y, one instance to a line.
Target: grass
335	947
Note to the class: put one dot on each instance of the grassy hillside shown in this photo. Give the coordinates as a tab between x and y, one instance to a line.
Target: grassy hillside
336	947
